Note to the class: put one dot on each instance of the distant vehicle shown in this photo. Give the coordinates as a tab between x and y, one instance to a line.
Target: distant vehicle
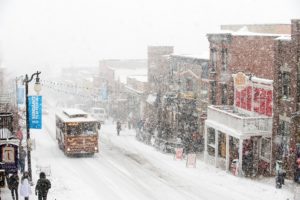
99	114
76	132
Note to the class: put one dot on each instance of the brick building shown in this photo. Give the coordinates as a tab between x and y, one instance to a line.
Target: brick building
241	134
259	28
286	120
1	78
273	55
230	53
158	70
183	100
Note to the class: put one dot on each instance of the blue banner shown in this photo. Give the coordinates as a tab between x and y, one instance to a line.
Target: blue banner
103	92
35	112
21	94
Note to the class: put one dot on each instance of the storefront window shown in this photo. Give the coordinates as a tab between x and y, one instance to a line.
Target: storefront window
211	141
265	152
211	136
222	145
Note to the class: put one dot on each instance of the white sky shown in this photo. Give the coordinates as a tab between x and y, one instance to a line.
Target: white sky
81	32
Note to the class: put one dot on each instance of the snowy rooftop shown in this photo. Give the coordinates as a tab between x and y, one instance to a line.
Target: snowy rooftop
239	123
74	115
122	74
245	32
231	110
204	55
141	78
286	38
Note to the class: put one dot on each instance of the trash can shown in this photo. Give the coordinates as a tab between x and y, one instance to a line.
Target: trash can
235	167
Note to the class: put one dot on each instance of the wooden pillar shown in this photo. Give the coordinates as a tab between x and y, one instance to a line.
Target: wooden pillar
227	152
216	146
205	143
240	156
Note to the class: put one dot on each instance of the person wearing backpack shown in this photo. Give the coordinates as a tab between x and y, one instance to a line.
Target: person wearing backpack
42	187
13	185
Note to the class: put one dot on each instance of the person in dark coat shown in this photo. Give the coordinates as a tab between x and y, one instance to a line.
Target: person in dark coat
118	127
22	156
13	185
42	187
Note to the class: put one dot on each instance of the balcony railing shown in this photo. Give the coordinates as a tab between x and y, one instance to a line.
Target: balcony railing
241	122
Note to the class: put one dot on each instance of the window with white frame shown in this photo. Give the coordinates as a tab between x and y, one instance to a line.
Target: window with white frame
213	58
224	59
211	138
286	84
265	149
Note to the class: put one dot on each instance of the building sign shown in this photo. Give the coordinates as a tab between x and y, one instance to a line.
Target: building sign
35	112
188	95
21	94
240	80
191	160
8	154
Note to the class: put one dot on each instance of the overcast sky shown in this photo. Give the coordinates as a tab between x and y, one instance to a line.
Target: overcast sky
81	32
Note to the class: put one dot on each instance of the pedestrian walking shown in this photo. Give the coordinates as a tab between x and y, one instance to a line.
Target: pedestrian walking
118	127
19	134
22	156
25	189
42	187
13	185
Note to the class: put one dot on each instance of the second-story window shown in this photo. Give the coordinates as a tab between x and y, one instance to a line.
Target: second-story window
213	53
213	93
189	84
224	94
224	59
286	84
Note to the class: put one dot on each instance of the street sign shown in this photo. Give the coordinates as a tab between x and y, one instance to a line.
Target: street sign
179	153
191	160
35	112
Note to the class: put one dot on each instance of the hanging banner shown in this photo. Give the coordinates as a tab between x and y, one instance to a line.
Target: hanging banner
35	112
103	92
21	94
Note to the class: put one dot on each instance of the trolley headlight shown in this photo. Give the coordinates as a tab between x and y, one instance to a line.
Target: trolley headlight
96	148
68	149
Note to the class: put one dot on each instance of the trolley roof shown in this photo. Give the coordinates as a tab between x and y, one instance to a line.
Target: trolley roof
74	115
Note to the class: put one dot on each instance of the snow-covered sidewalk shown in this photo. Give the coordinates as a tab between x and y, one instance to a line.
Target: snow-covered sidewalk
204	175
128	169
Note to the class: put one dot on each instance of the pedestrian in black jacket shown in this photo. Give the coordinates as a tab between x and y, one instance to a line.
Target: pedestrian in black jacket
13	185
42	187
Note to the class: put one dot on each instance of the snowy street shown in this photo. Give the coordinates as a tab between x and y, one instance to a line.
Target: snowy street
128	169
149	100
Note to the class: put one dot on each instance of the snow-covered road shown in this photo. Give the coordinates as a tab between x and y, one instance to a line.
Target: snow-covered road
128	169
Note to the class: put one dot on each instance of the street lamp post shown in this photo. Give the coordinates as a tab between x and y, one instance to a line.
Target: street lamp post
37	88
